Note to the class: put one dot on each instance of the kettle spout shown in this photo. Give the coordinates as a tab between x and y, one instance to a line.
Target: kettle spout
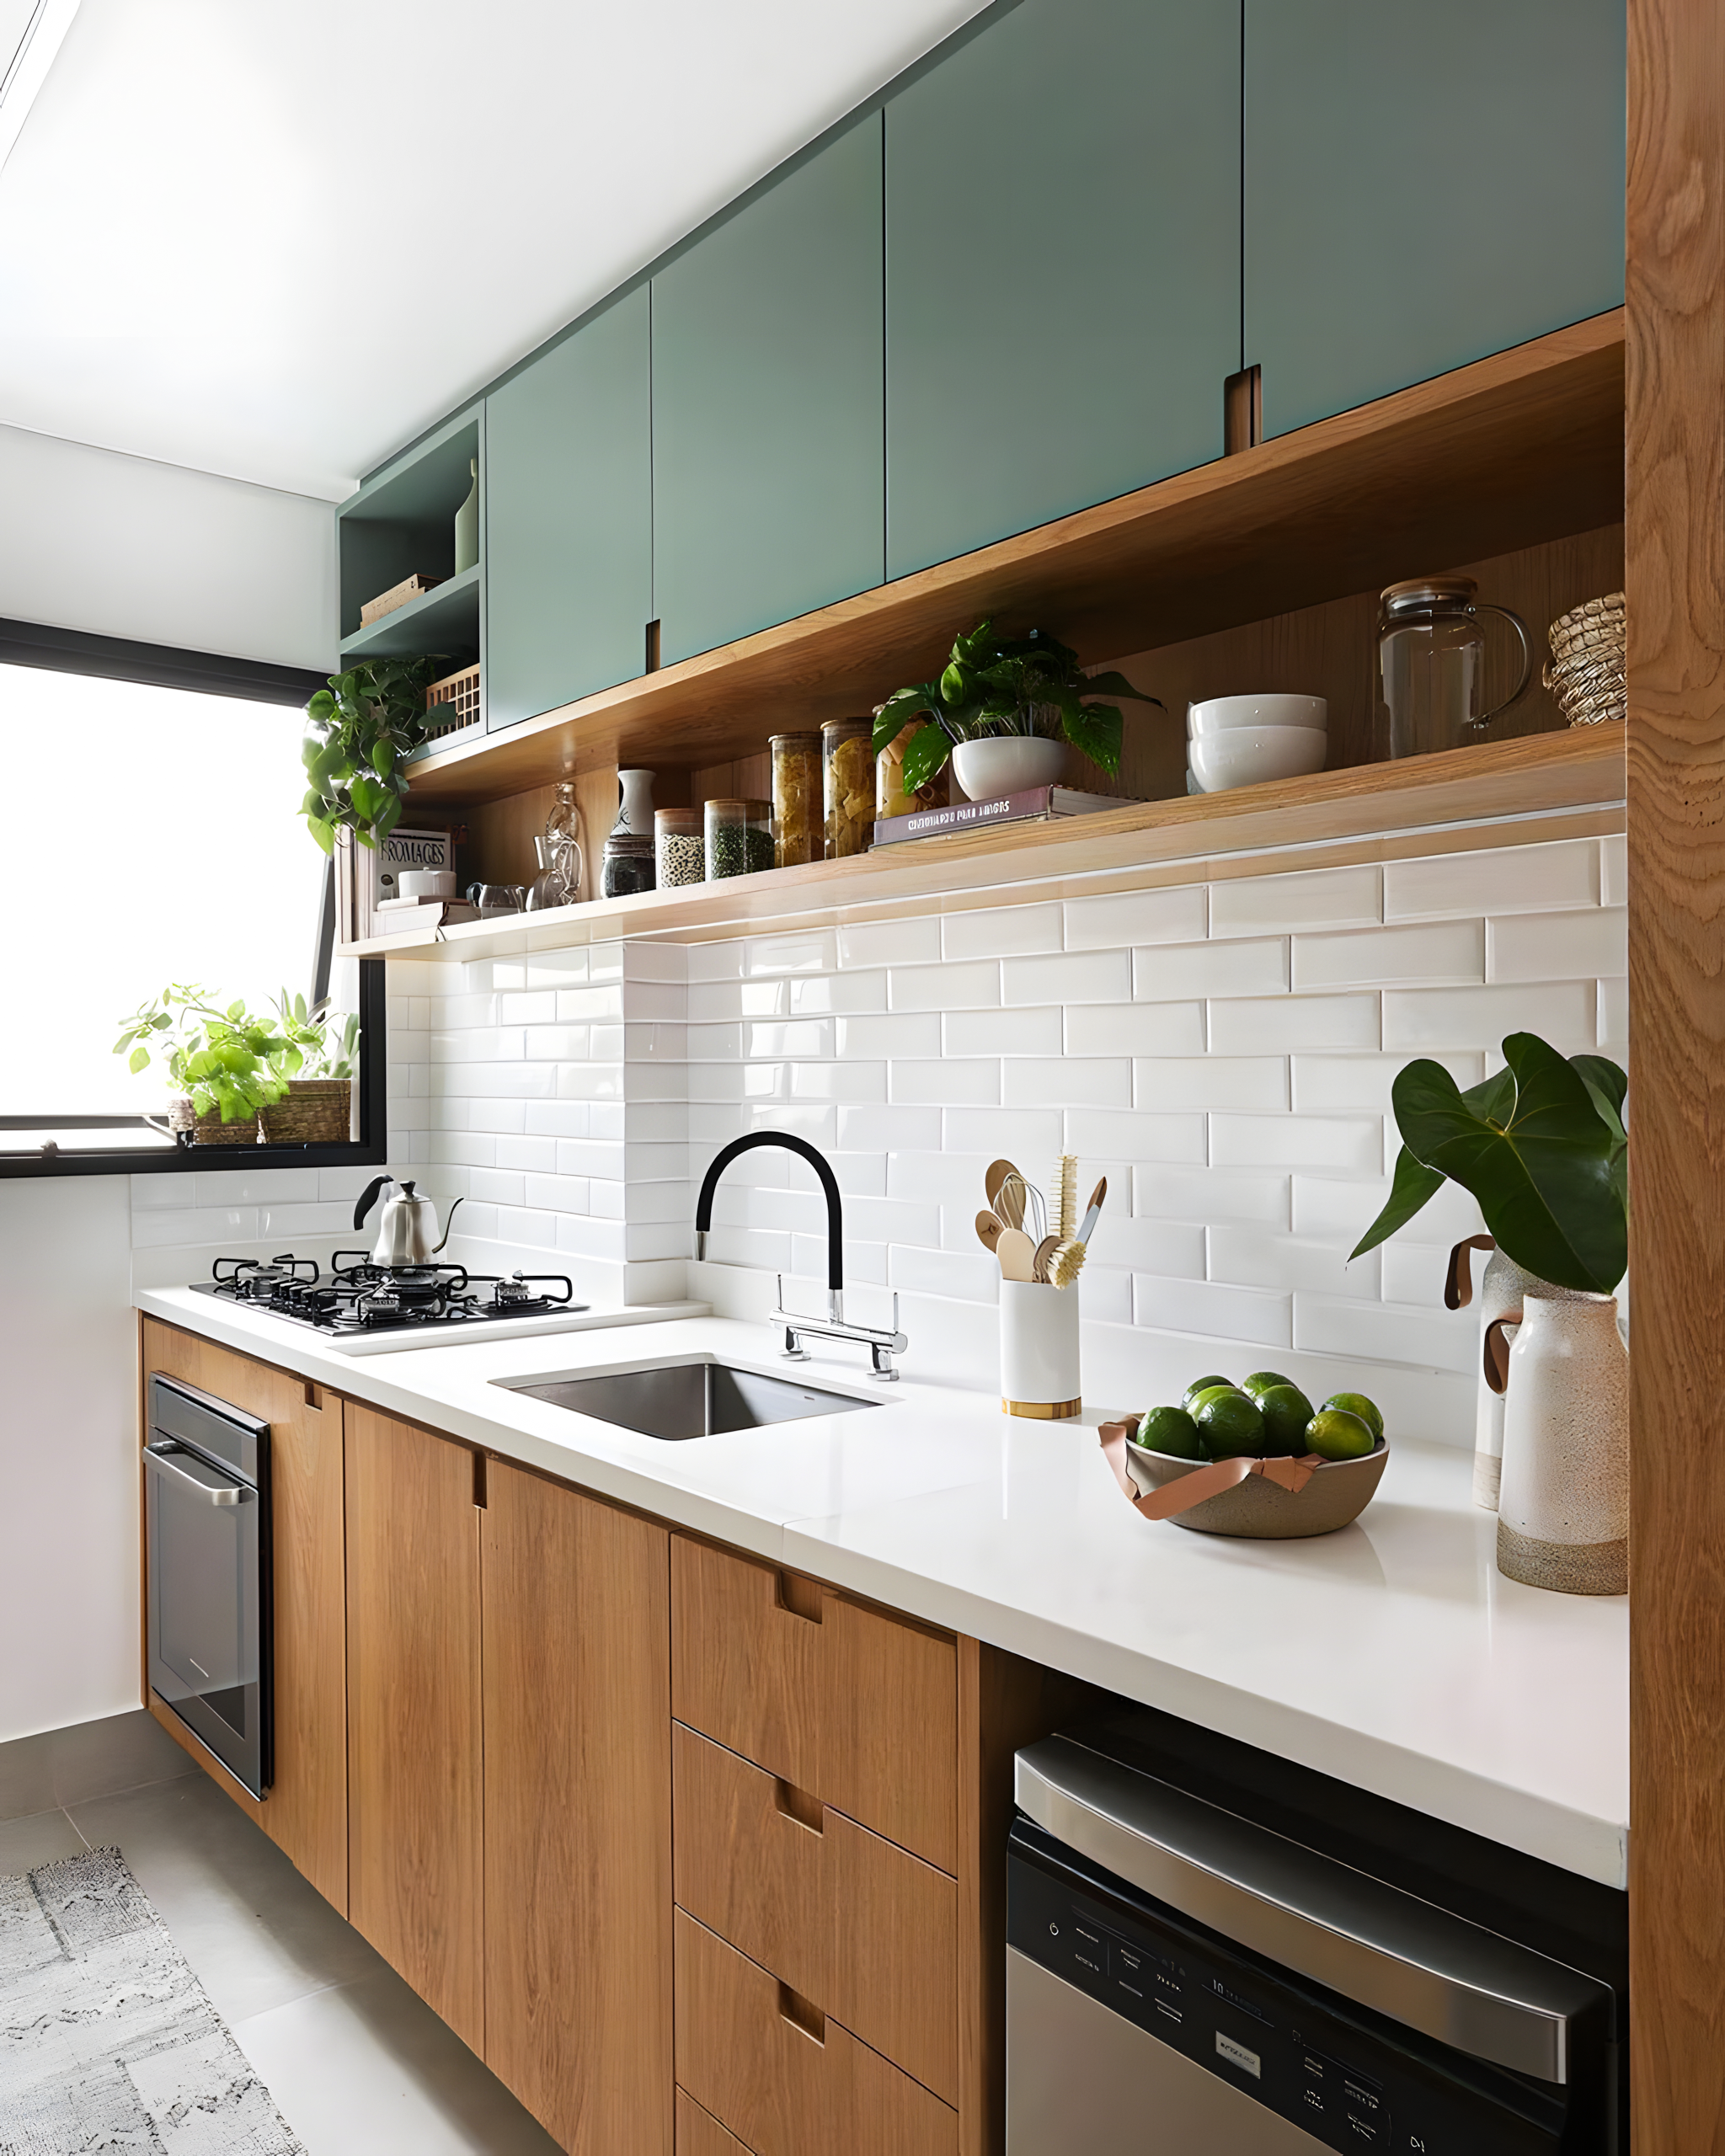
448	1225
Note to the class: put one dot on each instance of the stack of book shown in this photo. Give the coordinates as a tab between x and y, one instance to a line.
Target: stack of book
409	917
1037	804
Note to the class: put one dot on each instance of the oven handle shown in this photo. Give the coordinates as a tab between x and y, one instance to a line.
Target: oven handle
164	1460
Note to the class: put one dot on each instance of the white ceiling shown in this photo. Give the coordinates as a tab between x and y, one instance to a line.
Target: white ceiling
275	241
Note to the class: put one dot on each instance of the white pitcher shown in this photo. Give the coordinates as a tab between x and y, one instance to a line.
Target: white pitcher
1563	1507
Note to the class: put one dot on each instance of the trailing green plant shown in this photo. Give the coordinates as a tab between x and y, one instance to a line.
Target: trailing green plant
226	1061
322	1043
992	685
1541	1145
359	731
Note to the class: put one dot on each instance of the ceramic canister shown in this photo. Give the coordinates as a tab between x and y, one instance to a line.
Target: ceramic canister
1039	1351
1500	1295
1563	1507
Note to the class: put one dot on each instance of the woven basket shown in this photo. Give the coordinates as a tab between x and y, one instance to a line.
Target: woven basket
452	703
314	1112
1587	674
210	1129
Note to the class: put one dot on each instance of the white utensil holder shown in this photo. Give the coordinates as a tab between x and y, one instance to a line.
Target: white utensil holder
1039	1351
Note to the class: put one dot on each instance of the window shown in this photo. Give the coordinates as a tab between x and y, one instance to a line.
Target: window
152	839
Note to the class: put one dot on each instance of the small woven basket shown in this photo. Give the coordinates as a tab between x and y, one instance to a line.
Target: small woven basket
210	1129
452	703
1588	673
313	1111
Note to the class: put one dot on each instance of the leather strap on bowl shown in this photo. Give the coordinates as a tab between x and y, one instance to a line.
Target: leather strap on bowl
1189	1490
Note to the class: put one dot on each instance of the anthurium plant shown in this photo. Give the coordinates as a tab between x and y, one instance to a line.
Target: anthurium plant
359	731
226	1061
993	685
1541	1145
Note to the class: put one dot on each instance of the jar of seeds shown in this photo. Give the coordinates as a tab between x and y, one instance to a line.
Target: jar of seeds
680	849
796	799
847	761
739	838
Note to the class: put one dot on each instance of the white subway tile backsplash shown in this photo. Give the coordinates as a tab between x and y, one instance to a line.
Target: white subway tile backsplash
1281	1025
1563	1012
1248	1258
1252	1082
557	1044
935	1178
253	1186
1000	931
1613	871
811	950
1313	898
1332	1083
530	1008
1025	1135
894	1220
1545	946
1173	1248
854	1080
1166	974
1352	1144
1440	1339
974	987
1068	977
1504	879
716	1002
814	994
1613	1018
1001	1033
1149	1029
903	1034
1207	1307
185	1228
914	942
1130	1134
886	1130
1413	1272
1440	953
598	1000
968	1276
962	1081
536	1155
1070	1081
1178	914
715	961
1344	1208
666	963
713	1043
806	1036
1210	1194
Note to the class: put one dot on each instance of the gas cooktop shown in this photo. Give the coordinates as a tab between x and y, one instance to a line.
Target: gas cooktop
358	1297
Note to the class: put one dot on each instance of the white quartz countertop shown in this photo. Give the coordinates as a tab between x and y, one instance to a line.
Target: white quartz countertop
1392	1655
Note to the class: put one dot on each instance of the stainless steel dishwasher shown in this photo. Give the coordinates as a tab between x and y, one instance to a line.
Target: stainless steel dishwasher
1184	1980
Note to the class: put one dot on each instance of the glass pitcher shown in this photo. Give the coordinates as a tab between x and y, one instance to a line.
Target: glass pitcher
1431	663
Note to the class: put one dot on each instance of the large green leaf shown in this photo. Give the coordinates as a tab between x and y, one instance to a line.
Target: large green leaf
1095	731
1117	685
1541	1172
1414	1186
925	753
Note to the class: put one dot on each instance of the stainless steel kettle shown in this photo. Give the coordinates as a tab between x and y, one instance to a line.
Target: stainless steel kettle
406	1225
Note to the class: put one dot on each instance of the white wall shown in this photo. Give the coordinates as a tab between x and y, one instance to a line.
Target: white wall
125	548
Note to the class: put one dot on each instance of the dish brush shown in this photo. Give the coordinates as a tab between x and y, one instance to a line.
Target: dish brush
1066	1263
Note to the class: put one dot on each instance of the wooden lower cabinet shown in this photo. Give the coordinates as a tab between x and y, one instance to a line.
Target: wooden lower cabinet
700	2134
784	2078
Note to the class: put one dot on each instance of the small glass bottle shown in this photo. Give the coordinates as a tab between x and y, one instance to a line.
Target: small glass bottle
847	766
627	869
796	799
681	853
739	838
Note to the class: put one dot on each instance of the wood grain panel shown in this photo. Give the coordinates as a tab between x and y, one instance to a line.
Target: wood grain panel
847	1919
1676	823
578	1821
700	2134
305	1813
784	2090
855	1708
414	1726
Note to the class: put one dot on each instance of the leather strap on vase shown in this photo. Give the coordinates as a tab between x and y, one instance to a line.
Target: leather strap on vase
1458	1283
1189	1490
1495	1351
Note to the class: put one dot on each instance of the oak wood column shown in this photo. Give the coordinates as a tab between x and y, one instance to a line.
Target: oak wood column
1675	573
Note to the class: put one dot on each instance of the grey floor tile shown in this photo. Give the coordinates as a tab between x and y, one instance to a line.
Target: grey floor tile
92	1758
42	1838
256	1932
369	2070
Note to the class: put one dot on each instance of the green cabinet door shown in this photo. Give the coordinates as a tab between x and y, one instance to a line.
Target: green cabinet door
1423	187
568	519
768	465
1063	266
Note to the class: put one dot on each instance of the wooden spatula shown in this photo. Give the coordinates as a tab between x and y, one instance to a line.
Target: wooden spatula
1018	1255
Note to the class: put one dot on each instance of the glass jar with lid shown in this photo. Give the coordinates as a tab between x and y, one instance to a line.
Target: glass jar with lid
739	838
847	789
627	869
1432	663
680	851
797	811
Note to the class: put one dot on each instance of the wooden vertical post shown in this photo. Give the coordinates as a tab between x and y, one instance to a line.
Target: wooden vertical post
1676	578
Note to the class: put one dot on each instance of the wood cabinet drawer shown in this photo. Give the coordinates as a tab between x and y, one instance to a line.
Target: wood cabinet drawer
851	1921
700	2134
785	2081
858	1709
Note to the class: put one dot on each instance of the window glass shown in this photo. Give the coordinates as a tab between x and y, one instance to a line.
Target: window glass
151	839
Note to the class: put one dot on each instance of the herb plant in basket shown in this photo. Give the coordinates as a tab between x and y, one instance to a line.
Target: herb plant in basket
359	731
320	1056
226	1065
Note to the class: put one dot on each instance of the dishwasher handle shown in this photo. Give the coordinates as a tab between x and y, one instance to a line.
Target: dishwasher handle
1386	1949
187	1471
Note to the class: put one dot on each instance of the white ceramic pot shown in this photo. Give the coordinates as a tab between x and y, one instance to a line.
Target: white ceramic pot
1039	1351
1501	1289
1249	755
634	816
1563	1507
1226	714
1007	763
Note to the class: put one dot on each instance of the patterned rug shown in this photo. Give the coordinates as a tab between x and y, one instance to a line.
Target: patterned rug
107	2043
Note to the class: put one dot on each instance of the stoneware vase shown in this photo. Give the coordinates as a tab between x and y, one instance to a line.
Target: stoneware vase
466	525
634	816
1008	763
1501	1292
1563	1507
1039	1351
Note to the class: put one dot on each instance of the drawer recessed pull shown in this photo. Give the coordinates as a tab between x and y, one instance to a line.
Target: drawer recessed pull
801	1597
313	1397
797	1804
802	2013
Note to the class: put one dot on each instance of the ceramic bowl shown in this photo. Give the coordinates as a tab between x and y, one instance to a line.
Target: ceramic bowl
1262	1511
1249	757
1224	714
1007	763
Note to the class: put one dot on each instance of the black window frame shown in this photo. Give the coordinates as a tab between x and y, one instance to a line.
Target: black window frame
120	658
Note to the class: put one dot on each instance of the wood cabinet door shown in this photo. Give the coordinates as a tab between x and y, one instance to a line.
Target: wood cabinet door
569	518
414	1734
1422	190
1063	264
768	457
578	1850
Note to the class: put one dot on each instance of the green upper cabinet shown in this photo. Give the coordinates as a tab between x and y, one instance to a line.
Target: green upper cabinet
569	518
768	465
1424	187
1063	266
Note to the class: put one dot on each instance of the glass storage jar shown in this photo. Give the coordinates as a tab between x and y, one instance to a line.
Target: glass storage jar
627	869
890	798
847	764
681	851
796	799
739	838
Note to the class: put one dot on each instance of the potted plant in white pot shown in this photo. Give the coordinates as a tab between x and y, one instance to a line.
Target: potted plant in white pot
1006	711
319	1062
225	1064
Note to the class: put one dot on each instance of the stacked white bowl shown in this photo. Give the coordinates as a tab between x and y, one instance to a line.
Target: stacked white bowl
1244	741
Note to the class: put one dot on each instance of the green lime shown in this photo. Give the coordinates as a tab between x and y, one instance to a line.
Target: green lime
1333	1434
1356	1403
1261	1381
1172	1430
1286	1411
1206	1385
1229	1422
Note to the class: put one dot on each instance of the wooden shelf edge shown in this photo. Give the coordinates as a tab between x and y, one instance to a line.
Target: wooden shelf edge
1494	786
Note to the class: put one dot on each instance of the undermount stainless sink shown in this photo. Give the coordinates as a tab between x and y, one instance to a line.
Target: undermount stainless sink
690	1399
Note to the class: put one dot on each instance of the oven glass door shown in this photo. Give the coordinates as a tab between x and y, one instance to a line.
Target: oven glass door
206	1639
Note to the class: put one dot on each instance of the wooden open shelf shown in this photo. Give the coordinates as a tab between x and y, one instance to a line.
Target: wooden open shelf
1545	786
1521	448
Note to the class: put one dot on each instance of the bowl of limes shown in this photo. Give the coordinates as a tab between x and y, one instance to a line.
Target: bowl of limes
1265	1416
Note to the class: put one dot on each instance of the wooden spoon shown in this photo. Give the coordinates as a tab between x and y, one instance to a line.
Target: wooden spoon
1017	1254
989	1230
998	1171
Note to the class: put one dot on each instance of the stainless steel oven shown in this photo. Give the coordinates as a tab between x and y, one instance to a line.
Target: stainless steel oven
206	1496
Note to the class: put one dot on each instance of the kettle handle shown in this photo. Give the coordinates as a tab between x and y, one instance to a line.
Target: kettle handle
1515	621
366	1196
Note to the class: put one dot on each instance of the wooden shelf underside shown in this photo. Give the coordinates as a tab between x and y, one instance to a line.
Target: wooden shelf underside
1546	786
1518	448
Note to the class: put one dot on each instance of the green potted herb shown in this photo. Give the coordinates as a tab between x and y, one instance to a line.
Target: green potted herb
359	731
225	1064
319	1061
1006	710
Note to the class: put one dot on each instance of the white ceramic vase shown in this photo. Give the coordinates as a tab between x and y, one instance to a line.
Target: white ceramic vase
634	816
1501	1289
1007	763
1039	1351
466	525
1563	1507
